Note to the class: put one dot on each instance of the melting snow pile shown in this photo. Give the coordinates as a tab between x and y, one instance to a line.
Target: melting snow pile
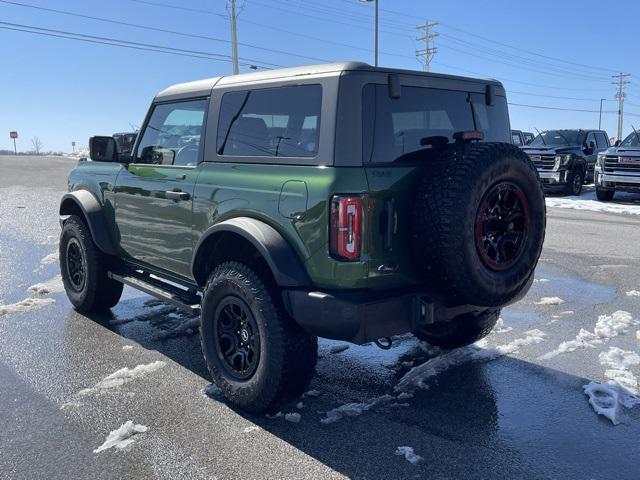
409	455
550	301
578	203
622	387
122	376
419	376
293	417
633	293
339	348
53	285
607	327
25	305
51	258
121	437
500	328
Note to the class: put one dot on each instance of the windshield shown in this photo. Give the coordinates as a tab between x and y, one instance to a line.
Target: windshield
558	137
632	141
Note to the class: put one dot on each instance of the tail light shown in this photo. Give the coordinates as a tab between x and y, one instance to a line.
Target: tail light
345	241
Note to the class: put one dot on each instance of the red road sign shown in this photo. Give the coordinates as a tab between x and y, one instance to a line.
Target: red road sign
13	135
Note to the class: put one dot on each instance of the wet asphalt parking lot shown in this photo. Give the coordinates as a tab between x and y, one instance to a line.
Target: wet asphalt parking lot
512	406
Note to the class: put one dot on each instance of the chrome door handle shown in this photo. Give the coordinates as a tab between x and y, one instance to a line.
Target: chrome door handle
177	195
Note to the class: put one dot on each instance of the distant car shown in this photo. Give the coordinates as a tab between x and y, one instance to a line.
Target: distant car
566	159
125	142
520	138
618	169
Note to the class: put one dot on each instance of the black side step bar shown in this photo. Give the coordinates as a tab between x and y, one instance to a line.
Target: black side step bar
165	292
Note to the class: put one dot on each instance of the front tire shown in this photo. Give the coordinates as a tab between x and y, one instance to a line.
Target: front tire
574	183
84	269
257	355
605	195
461	331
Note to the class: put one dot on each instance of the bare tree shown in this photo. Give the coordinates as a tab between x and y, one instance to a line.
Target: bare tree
37	144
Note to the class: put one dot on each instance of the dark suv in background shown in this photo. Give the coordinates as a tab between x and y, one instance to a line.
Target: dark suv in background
566	159
520	138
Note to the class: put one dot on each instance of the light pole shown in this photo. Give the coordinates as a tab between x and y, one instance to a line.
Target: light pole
375	33
600	118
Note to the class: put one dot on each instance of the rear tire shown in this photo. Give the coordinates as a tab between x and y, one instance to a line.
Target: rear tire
605	195
84	269
574	183
461	331
257	355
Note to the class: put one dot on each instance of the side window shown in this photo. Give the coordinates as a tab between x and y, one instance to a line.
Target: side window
270	122
590	138
173	133
602	141
515	139
493	121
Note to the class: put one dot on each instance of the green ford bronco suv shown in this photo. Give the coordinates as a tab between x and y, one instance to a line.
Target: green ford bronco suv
339	200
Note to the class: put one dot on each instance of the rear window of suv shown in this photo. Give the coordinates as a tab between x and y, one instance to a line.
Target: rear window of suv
270	122
403	129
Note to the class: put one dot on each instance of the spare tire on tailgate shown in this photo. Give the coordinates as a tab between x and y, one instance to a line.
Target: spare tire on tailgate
479	223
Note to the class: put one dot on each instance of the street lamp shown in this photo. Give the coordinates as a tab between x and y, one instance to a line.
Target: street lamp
600	118
375	34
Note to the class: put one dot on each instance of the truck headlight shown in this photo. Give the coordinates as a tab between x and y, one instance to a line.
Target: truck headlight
562	160
600	162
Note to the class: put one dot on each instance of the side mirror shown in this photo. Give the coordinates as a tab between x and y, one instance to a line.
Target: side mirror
103	149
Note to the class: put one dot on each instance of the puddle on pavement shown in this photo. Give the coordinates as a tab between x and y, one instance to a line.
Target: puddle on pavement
573	290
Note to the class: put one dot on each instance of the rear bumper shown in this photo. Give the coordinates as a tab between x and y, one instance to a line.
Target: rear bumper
358	317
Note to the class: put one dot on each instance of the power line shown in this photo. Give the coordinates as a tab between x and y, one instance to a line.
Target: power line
545	107
125	43
157	29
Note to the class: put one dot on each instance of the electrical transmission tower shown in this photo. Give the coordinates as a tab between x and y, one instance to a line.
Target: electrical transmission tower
620	82
233	15
425	55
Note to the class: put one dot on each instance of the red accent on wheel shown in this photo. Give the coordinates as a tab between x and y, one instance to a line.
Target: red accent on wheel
502	226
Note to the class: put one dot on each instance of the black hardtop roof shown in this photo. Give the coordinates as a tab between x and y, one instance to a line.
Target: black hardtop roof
323	70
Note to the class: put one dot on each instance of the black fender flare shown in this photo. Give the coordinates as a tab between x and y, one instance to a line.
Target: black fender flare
93	214
283	261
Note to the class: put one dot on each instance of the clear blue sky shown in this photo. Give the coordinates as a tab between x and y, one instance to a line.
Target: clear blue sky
63	90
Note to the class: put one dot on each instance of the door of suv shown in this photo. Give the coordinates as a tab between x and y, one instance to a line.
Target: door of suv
590	155
153	206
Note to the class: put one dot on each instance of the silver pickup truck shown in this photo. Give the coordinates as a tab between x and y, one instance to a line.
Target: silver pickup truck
618	169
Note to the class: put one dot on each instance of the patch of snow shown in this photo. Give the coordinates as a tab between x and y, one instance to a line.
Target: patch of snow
540	280
619	359
25	305
409	455
211	391
633	293
121	437
418	377
550	301
53	285
276	415
567	312
581	203
405	396
311	393
127	347
355	409
300	405
607	327
252	428
122	376
500	328
293	417
51	258
638	335
339	348
604	400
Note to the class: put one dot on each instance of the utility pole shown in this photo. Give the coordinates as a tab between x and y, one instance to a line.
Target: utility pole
620	82
425	55
234	36
375	30
600	117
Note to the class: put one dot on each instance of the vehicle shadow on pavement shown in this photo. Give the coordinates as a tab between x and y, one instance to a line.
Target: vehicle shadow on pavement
504	417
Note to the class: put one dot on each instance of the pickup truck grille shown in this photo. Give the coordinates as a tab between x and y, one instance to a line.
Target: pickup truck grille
612	164
543	162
